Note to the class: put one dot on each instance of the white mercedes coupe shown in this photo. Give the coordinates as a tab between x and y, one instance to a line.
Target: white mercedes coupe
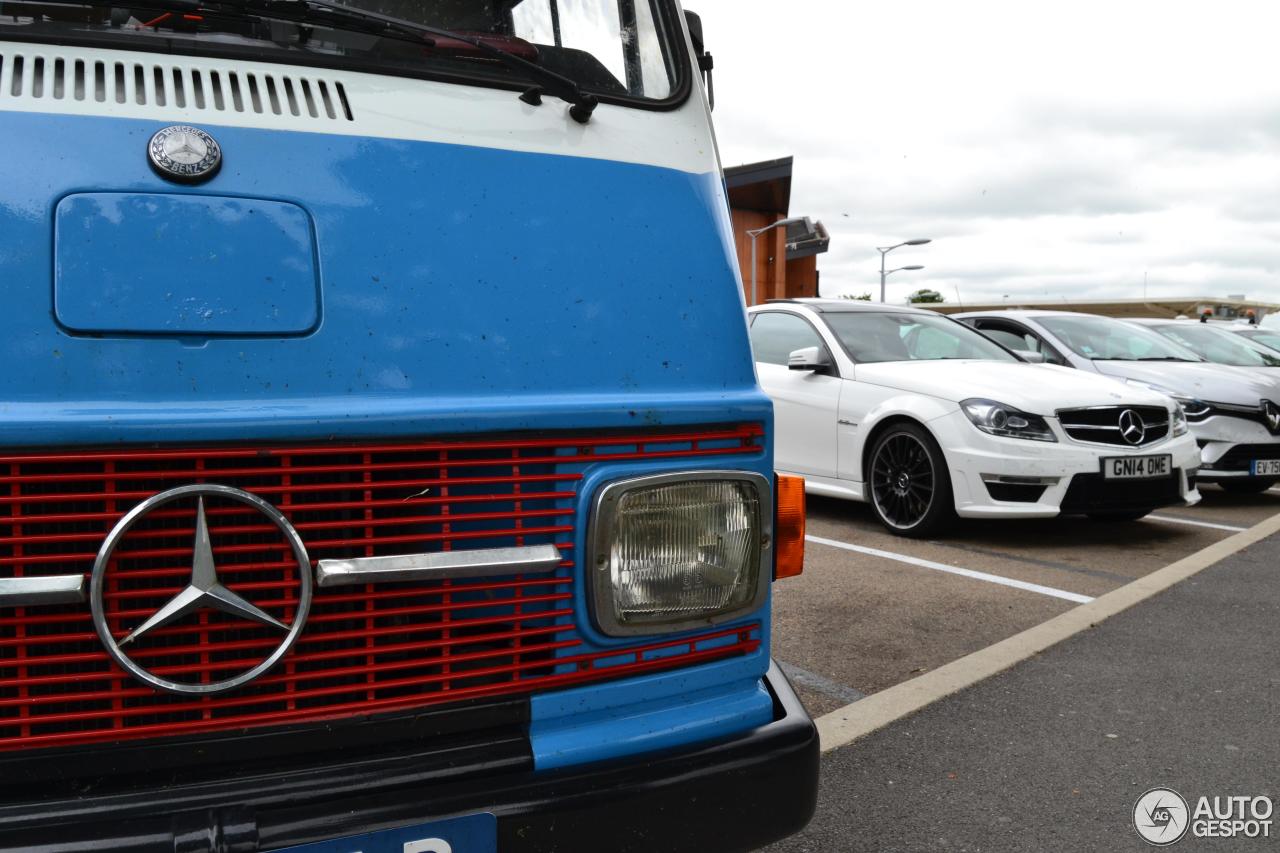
926	419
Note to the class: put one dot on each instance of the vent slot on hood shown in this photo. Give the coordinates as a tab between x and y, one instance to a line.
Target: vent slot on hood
32	76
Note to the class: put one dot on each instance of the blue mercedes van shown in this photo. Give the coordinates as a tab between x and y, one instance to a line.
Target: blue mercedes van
382	466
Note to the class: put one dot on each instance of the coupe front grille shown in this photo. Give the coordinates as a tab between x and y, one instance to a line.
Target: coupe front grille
1101	425
364	648
1094	493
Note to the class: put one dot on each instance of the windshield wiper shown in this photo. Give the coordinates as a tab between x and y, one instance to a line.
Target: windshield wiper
339	17
352	19
1162	358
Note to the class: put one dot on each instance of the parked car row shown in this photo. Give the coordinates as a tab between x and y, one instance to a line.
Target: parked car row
1011	414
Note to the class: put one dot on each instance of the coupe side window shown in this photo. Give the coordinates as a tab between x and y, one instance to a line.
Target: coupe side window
1008	339
1017	337
775	335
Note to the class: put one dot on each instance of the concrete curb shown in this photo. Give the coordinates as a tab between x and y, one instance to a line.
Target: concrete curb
845	725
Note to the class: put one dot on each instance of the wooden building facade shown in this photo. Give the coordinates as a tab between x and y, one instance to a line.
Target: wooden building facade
759	195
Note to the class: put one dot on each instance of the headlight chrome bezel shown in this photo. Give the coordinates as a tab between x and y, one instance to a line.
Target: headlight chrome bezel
1014	424
600	537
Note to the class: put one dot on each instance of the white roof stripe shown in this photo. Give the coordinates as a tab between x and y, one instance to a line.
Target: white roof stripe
382	106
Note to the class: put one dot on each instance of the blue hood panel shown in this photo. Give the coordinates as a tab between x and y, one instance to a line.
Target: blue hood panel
460	289
183	266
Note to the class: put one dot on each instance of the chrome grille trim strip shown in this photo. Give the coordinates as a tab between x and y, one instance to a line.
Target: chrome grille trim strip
55	589
529	559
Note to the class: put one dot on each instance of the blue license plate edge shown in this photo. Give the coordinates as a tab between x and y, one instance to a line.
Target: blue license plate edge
476	833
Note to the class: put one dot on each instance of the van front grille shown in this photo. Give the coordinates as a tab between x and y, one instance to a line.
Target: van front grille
363	648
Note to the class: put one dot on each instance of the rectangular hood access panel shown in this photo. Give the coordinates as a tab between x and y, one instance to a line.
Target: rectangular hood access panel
184	265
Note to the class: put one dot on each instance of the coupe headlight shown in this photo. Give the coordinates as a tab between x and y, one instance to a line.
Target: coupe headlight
1006	421
1193	409
1179	421
678	551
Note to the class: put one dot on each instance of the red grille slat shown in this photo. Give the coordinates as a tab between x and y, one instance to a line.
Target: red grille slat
195	475
266	491
364	648
744	431
303	641
302	527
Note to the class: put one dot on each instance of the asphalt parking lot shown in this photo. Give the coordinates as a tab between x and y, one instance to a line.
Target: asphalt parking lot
859	621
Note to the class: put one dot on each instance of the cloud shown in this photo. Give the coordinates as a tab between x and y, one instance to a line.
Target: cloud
1059	151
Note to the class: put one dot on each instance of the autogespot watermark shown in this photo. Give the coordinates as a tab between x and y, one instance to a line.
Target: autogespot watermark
1162	817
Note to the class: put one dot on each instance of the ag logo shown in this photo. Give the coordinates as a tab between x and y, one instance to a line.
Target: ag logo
1161	816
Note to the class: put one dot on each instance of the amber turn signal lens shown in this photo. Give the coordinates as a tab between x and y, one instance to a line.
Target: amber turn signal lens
788	542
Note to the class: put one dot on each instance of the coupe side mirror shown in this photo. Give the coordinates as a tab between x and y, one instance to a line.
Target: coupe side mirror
809	358
1030	356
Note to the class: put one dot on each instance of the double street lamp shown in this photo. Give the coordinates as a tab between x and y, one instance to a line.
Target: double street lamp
886	250
753	234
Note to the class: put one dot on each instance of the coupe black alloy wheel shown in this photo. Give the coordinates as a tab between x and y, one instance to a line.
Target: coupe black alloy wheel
910	484
902	480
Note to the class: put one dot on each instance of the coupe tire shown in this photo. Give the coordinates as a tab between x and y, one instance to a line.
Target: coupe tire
910	482
1246	487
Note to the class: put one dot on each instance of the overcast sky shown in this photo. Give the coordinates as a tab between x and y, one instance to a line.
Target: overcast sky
1050	149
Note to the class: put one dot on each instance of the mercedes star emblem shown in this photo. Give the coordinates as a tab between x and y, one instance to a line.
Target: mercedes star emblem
204	590
185	154
1132	429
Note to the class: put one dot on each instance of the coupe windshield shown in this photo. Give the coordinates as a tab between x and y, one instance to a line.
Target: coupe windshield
1105	339
620	48
1218	345
871	337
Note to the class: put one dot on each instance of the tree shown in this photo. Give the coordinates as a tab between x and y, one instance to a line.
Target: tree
925	295
866	297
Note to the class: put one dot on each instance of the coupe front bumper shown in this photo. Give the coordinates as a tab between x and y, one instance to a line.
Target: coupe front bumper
1046	479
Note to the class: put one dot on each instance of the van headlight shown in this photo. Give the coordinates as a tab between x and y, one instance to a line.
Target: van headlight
1005	421
678	551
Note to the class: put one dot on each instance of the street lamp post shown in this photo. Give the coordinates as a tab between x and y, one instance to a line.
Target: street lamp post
753	234
886	250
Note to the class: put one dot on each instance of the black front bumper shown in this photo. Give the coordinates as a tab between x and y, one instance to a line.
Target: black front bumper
730	795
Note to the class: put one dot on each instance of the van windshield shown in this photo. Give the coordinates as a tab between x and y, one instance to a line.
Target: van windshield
619	49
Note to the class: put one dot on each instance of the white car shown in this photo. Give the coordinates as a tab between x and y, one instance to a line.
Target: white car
1234	412
1267	337
926	419
1215	343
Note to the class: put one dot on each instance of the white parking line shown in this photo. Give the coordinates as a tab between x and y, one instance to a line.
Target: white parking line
1171	520
954	570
